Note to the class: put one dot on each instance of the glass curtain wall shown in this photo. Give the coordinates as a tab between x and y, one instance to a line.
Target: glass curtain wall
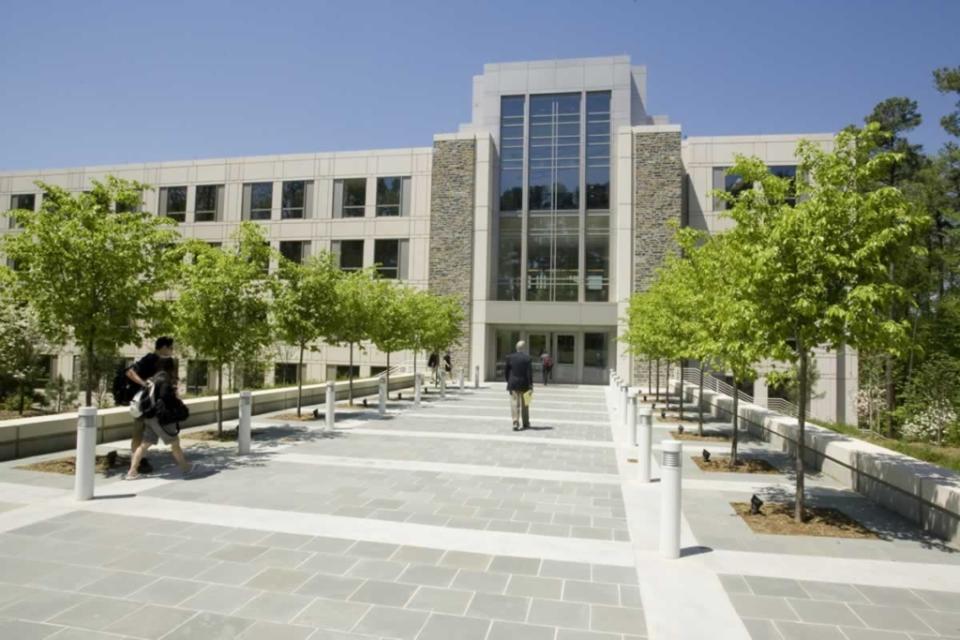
543	220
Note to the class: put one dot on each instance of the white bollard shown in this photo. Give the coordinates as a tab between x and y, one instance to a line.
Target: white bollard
461	378
331	397
670	498
622	404
382	400
243	429
86	464
443	384
417	383
476	377
632	418
644	442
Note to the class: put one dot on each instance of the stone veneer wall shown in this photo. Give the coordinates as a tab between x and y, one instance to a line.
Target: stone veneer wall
657	199
452	196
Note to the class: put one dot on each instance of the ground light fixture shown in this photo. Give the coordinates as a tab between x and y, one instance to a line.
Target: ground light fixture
706	456
663	413
679	428
364	403
316	414
755	504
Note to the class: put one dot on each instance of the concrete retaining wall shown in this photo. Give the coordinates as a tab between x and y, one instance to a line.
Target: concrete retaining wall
46	434
864	467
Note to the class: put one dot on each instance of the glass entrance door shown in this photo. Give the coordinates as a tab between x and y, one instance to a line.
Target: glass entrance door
565	358
538	343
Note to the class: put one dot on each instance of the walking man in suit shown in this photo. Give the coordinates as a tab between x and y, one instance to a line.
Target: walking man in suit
519	374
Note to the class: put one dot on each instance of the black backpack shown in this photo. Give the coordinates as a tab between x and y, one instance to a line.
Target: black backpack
123	387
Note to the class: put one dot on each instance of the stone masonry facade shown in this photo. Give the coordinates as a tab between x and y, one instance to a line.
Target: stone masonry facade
452	197
658	177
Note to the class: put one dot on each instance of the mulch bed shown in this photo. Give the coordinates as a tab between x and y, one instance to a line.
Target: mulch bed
744	465
68	466
777	518
14	415
708	435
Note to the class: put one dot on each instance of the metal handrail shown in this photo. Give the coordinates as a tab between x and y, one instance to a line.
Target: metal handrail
713	383
783	406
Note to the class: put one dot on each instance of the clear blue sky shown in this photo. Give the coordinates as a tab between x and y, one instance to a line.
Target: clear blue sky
100	82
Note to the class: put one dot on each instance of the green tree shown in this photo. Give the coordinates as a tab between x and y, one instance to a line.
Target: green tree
947	80
392	329
820	268
93	276
305	306
358	304
22	344
444	324
222	310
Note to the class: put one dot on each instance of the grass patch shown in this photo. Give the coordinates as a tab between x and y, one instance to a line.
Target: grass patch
68	466
777	518
948	457
709	435
721	464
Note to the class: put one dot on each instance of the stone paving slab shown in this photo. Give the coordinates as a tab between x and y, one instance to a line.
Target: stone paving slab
542	428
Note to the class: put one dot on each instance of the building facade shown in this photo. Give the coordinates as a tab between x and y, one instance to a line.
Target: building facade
543	215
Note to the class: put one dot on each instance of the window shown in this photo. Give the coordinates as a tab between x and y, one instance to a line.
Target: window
130	204
566	347
27	201
509	256
173	203
297	195
596	285
375	371
197	375
598	150
595	350
343	371
285	373
257	200
349	198
554	158
393	196
735	185
391	258
349	254
511	153
553	256
209	204
294	250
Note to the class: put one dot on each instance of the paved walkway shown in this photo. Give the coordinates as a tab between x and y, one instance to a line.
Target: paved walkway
440	523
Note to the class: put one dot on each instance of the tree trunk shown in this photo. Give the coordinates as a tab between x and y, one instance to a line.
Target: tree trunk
649	377
801	437
700	403
682	391
300	381
388	374
889	391
666	391
657	397
736	409
219	398
350	377
89	359
913	342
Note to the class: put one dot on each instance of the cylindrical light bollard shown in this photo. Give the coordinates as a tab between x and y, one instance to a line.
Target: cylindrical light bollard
417	383
644	440
331	413
461	378
632	418
670	498
622	404
243	429
382	400
86	464
476	377
443	384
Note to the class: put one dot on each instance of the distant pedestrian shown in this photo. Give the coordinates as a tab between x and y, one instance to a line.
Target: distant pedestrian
434	364
161	420
137	374
546	363
447	364
519	374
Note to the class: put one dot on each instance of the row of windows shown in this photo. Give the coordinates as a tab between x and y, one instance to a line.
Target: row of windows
734	184
390	255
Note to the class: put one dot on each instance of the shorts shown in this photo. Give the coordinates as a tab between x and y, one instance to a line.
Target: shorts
153	432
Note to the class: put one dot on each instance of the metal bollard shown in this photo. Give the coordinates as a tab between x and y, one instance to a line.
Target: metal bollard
670	498
476	377
331	397
632	418
622	404
443	384
644	442
243	429
417	384
382	400
461	378
86	453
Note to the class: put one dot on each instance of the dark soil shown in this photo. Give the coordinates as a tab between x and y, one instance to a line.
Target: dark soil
68	466
777	518
744	465
709	435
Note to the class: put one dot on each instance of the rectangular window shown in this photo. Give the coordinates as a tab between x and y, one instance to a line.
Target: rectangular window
343	371
173	203
566	348
257	200
553	256
597	268
598	150
349	254
391	258
209	203
509	256
393	196
197	376
511	152
595	350
26	201
294	250
285	373
297	195
734	184
554	152
349	198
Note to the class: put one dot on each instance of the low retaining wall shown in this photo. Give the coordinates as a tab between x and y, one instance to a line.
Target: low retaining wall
46	434
924	493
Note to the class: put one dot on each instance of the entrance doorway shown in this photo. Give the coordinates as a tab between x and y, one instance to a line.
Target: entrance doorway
579	357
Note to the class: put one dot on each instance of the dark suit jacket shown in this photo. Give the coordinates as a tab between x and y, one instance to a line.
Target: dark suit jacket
519	372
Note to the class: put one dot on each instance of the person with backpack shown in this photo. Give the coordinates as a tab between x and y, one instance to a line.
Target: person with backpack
162	411
130	380
546	364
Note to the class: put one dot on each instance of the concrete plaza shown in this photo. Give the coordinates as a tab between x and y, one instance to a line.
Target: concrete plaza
441	523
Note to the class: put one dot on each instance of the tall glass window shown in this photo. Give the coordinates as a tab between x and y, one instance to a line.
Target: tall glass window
209	203
257	200
511	153
293	199
598	150
173	203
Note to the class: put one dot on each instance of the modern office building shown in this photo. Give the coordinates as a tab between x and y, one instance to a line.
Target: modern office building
543	214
